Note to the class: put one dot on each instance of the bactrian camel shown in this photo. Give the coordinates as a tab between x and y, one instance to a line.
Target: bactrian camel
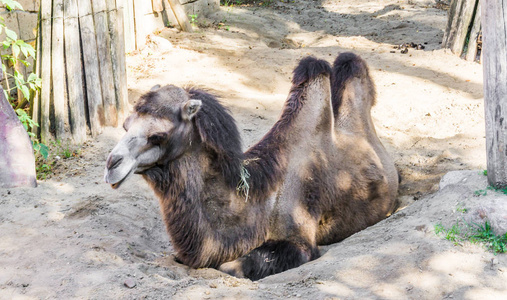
318	176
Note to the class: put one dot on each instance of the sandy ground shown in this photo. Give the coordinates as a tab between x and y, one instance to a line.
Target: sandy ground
75	237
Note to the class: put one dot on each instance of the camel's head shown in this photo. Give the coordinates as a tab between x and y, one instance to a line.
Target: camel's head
160	130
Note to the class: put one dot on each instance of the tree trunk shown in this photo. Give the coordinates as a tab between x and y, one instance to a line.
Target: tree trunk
494	18
17	162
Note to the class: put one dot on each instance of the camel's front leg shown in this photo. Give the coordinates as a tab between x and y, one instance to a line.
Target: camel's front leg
270	258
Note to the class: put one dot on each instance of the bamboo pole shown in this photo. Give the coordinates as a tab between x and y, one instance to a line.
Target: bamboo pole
180	15
46	7
74	72
58	71
105	63
91	68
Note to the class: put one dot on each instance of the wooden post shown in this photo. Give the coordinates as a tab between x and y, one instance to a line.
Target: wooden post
74	73
91	68
46	7
58	71
105	63
180	15
494	18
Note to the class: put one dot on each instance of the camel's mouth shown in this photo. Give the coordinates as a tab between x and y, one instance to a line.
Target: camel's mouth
117	184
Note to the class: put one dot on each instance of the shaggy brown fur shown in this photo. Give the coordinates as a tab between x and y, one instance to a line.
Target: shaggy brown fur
313	179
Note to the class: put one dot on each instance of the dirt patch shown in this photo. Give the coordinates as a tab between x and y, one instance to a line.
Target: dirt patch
75	237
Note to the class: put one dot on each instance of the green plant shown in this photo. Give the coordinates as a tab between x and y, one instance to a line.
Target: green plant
474	233
64	151
484	234
27	86
485	172
193	19
43	170
28	123
481	192
17	46
461	209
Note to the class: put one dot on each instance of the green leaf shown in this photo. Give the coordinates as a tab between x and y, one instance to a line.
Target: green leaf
44	151
26	92
32	77
31	50
11	4
15	50
24	51
11	34
6	44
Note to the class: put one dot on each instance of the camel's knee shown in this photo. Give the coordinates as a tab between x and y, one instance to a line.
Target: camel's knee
234	268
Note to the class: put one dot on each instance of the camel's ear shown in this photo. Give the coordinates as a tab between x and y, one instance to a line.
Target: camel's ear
190	108
128	122
155	87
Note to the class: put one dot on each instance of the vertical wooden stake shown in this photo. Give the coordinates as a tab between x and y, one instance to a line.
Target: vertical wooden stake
118	58
35	108
494	18
46	7
58	71
105	63
471	54
91	68
74	72
180	15
129	26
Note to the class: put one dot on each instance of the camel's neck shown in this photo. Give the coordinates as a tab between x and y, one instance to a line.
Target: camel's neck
208	222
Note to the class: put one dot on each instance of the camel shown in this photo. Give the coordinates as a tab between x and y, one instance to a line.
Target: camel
318	176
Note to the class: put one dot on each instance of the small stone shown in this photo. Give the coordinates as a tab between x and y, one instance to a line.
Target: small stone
494	261
130	283
420	227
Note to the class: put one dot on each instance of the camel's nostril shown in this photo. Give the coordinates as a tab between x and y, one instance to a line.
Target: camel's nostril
114	161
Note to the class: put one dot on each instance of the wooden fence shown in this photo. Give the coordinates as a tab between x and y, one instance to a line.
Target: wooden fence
81	62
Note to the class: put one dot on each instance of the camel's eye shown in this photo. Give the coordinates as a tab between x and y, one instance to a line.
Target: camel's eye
157	139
